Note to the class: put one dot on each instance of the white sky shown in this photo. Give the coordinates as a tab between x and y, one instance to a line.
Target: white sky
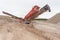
21	7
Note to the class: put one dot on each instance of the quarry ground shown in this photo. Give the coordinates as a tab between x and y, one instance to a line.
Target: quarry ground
11	29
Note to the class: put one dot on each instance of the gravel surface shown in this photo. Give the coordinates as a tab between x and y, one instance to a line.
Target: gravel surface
11	29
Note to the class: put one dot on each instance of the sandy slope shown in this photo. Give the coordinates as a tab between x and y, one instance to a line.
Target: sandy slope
10	29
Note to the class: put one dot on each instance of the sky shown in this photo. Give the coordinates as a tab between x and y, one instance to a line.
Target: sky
21	8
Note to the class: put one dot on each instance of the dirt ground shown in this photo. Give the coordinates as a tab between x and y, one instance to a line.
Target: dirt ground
11	29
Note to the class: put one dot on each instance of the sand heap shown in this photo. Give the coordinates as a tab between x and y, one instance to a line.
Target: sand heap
55	19
11	29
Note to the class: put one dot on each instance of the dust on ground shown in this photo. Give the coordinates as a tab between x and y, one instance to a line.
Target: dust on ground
11	29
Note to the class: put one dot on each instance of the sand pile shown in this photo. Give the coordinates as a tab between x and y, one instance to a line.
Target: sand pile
55	19
11	29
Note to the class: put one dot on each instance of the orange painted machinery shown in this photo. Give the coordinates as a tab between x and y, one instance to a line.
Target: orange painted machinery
35	12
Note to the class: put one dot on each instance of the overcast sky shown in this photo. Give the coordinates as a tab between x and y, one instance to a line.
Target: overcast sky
21	7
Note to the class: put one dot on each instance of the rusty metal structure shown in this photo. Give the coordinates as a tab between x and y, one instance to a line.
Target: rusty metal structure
35	12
